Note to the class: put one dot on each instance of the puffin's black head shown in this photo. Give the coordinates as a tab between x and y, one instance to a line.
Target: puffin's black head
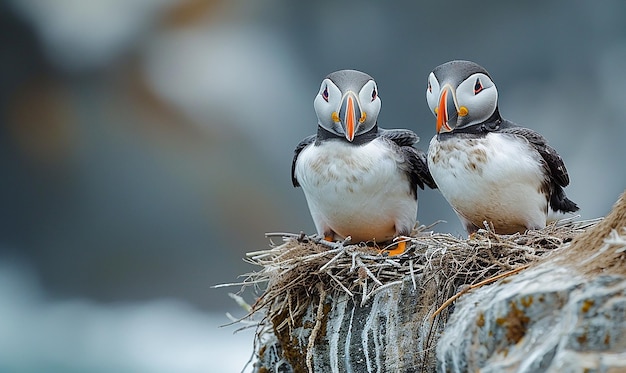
461	94
347	103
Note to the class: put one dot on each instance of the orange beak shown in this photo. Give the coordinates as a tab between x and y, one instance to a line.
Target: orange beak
349	113
443	116
350	119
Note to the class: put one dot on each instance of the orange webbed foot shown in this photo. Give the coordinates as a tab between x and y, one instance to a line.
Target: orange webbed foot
400	246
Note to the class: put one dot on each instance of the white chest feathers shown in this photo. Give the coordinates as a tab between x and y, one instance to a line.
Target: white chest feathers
498	178
357	191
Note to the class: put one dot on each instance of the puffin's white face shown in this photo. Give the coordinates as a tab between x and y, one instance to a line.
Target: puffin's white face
473	101
347	113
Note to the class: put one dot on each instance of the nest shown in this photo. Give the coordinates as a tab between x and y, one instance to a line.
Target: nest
302	270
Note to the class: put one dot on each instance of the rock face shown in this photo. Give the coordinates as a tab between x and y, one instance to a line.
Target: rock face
384	335
565	313
545	319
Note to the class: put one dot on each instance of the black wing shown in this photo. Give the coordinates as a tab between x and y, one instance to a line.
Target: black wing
303	144
415	166
554	165
417	163
418	168
400	136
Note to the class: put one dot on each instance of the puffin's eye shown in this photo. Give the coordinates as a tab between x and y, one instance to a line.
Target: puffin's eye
374	94
430	88
478	86
325	94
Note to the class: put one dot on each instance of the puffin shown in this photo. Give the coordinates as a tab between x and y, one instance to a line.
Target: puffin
489	169
359	180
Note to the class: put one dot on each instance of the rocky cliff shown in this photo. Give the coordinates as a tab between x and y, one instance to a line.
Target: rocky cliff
551	300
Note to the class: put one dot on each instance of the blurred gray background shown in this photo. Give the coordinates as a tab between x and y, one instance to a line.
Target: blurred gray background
146	146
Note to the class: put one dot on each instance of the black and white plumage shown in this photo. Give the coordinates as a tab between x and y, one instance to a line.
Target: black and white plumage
359	180
488	168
